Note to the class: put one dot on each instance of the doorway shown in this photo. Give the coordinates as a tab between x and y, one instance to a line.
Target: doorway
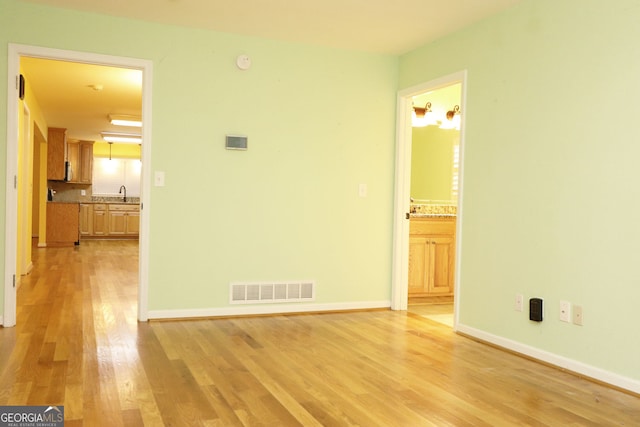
403	204
15	167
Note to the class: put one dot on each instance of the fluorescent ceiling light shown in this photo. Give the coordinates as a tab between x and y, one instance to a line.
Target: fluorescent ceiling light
127	138
122	120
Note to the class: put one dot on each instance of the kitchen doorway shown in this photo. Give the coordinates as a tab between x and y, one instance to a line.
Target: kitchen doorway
15	165
403	197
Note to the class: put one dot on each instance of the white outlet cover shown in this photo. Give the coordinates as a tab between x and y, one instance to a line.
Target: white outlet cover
565	311
519	304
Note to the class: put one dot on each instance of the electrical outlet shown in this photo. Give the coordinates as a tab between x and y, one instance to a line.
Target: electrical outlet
519	304
565	311
577	315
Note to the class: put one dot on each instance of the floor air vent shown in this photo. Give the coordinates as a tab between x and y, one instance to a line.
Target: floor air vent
252	293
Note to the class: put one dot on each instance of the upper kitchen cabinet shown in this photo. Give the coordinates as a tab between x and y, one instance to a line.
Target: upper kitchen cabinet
80	157
56	153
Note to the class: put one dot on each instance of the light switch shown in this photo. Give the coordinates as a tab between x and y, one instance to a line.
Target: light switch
158	179
362	190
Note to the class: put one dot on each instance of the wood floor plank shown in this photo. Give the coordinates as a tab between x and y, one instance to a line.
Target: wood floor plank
78	344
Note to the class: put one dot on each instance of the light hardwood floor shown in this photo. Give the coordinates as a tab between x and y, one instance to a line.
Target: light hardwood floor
78	344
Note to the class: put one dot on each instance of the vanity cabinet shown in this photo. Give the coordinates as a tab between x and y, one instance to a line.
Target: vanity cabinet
431	256
56	153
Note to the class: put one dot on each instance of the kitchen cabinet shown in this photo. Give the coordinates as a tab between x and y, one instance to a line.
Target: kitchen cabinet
431	256
86	219
80	157
56	153
124	219
109	220
63	224
100	222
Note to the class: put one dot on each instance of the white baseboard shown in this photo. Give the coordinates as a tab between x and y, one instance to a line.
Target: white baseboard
248	310
589	371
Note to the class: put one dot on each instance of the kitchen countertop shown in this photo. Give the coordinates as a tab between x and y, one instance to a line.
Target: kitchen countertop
100	199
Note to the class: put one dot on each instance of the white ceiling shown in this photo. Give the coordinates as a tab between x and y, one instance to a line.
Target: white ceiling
80	97
385	26
68	99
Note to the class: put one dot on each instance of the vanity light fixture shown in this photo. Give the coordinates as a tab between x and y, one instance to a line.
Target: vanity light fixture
453	119
124	120
127	138
423	116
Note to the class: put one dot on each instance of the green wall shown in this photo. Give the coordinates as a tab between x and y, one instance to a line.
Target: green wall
550	202
432	163
286	209
551	199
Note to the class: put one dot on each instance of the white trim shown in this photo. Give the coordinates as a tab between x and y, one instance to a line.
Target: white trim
11	197
262	309
400	262
15	51
562	362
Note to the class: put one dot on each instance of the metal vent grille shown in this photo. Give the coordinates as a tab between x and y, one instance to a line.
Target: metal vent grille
251	293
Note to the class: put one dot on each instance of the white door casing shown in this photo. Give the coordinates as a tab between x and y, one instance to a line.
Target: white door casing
15	52
400	261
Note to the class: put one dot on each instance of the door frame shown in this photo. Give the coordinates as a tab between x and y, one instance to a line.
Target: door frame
15	51
400	262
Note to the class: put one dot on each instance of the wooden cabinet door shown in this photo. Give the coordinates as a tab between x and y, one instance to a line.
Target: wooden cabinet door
418	264
441	265
117	222
56	153
133	223
85	172
100	223
73	157
431	257
86	219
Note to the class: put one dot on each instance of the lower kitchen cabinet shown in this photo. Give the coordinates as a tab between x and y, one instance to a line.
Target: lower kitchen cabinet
86	219
124	220
431	256
109	220
62	224
100	223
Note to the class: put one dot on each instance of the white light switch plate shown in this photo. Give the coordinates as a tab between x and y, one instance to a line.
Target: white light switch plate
362	190
158	179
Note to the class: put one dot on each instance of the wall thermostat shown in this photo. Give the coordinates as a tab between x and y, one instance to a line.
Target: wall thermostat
243	62
236	142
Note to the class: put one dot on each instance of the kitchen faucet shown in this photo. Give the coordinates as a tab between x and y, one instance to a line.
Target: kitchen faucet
122	187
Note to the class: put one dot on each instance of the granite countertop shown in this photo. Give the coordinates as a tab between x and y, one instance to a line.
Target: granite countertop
111	199
432	211
99	199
